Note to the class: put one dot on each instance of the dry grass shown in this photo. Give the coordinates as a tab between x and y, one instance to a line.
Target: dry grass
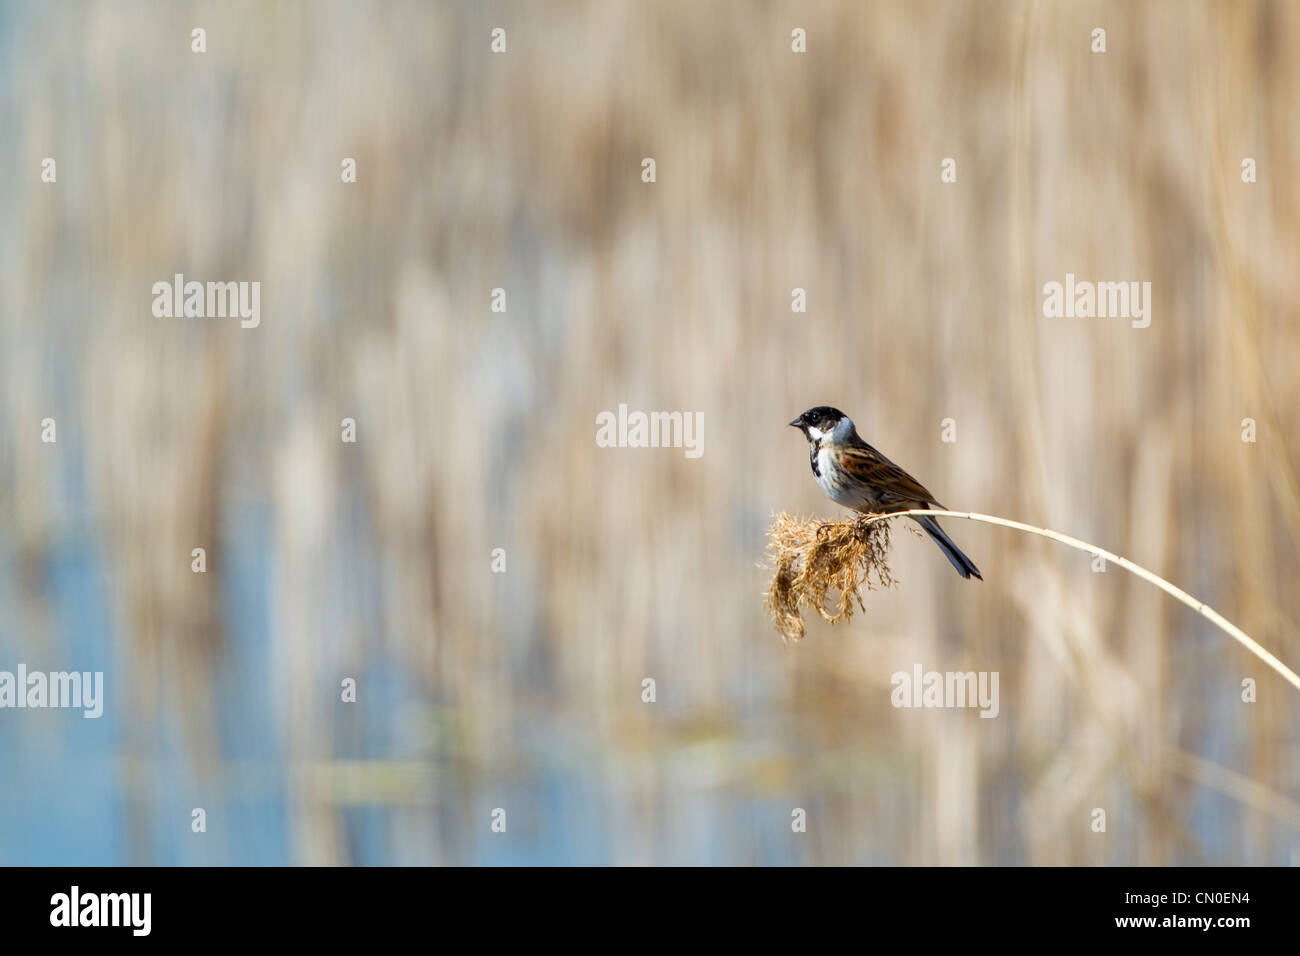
813	559
823	565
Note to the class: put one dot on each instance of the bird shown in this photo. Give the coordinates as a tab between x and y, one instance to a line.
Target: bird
857	476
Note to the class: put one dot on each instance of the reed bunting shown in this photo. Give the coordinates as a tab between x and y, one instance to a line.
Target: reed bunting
854	474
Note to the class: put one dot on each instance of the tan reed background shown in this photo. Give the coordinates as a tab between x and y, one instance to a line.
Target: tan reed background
476	430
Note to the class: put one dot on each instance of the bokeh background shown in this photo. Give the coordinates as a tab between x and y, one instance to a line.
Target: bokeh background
476	430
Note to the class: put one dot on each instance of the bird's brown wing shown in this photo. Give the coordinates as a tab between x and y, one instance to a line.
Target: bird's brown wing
891	483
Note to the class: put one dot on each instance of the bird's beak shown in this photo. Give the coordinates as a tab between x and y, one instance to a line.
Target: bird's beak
796	424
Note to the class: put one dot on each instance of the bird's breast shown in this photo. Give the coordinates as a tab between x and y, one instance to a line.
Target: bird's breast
837	485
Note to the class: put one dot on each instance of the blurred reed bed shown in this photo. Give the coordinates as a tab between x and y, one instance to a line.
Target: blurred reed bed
476	429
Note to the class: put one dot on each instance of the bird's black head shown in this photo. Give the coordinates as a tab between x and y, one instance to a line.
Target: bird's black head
818	421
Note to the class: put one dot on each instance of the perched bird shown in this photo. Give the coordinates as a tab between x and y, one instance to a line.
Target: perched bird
854	474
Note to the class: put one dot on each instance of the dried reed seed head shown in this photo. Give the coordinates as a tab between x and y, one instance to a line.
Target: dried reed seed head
813	558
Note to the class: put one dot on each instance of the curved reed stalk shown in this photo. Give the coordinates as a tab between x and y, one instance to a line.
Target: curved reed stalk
1199	606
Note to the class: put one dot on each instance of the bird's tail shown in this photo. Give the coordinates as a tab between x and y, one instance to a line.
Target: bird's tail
964	565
